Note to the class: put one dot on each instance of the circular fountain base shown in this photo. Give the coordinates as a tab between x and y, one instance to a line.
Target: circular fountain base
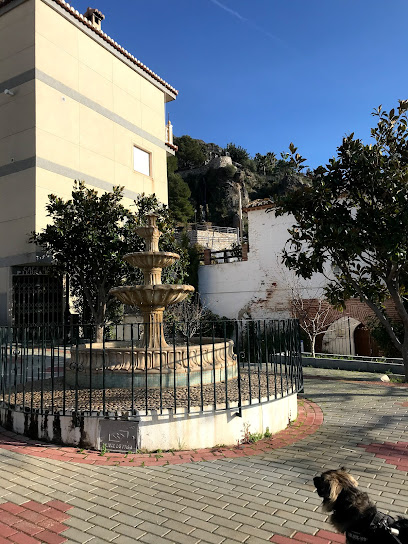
211	362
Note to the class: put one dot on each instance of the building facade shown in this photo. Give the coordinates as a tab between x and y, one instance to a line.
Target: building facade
74	105
263	288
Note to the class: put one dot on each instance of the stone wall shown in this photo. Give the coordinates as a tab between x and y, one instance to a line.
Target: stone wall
213	239
216	162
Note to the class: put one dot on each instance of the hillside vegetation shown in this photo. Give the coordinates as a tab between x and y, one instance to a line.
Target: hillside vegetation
205	188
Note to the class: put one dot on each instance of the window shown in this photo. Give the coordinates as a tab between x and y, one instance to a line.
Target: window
141	161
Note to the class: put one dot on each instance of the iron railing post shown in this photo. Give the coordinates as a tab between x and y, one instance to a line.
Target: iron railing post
238	339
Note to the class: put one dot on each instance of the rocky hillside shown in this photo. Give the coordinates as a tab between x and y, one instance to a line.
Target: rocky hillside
219	179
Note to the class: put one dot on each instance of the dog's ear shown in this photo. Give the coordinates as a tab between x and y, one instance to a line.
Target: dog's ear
335	490
346	478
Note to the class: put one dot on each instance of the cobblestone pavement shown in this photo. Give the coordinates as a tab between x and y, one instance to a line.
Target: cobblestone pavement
257	498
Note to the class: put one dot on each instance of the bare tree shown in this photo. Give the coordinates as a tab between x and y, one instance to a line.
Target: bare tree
186	316
313	315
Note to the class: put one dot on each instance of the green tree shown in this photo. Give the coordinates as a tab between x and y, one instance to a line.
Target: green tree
281	176
191	153
265	164
260	164
353	217
87	239
270	160
172	164
180	204
179	199
238	154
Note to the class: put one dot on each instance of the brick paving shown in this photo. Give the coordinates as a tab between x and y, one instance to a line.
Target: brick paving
265	494
33	522
394	454
321	537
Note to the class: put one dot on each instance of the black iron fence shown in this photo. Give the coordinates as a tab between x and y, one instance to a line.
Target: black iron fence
226	364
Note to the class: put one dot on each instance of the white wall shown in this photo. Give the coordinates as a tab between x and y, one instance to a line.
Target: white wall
204	430
162	431
262	286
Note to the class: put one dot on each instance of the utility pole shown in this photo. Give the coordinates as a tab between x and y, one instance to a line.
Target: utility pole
240	212
237	187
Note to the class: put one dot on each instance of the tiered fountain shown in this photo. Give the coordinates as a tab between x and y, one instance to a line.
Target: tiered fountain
142	362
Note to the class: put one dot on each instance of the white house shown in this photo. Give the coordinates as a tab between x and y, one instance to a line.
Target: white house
262	287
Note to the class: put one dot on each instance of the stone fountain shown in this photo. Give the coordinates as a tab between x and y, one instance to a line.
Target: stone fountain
151	360
152	297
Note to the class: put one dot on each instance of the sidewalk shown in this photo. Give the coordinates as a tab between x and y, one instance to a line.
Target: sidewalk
257	494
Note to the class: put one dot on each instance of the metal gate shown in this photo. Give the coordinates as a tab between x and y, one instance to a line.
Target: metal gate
37	296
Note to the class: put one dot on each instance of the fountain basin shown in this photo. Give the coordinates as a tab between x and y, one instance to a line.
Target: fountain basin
152	296
147	260
212	362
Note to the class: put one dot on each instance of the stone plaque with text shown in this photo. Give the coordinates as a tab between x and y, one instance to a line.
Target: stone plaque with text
119	435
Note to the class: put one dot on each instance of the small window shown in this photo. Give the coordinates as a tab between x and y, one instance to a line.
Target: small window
141	161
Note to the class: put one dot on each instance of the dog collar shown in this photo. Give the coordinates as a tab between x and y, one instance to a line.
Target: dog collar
380	523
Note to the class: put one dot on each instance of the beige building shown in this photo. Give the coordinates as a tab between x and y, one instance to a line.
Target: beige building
73	105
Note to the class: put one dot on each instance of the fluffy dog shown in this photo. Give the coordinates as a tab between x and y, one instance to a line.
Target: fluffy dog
353	513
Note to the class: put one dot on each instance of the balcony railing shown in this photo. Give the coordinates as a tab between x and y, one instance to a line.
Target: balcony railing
237	254
209	227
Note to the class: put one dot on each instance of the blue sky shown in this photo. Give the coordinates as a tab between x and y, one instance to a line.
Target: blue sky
263	73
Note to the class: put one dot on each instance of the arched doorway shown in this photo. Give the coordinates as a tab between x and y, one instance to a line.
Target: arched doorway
339	336
364	343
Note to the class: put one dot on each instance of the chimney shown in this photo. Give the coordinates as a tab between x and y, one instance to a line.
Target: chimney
95	17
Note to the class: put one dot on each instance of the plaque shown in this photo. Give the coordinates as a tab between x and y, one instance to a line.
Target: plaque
117	435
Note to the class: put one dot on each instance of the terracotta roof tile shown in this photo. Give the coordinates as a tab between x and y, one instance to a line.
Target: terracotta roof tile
172	146
67	7
259	203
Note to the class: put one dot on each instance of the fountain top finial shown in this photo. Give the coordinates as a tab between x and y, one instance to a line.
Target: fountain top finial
151	219
150	233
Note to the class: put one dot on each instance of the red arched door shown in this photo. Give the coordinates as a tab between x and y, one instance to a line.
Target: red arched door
364	343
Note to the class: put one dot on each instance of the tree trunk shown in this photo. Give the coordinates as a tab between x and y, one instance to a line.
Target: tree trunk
100	315
313	346
99	332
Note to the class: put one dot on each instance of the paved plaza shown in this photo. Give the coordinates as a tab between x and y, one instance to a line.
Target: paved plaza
255	494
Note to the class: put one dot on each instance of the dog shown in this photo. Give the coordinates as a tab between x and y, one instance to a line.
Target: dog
354	514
